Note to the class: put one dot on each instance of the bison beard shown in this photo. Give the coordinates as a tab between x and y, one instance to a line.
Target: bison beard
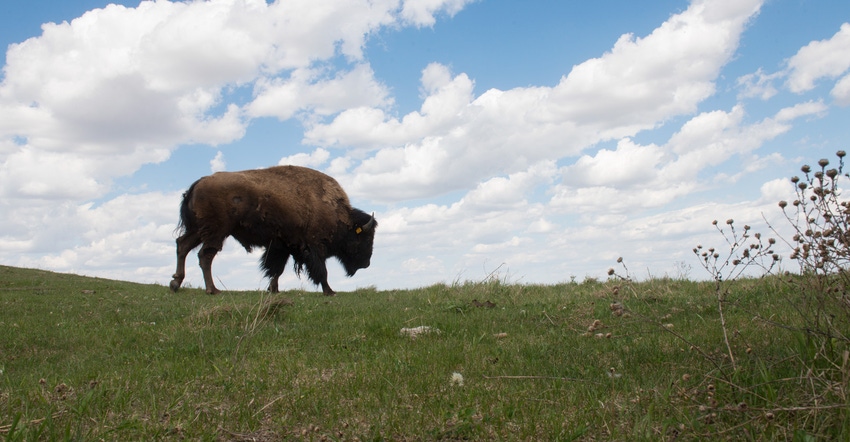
288	210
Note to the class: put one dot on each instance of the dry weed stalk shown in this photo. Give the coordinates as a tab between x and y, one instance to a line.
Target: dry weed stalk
820	219
744	250
619	308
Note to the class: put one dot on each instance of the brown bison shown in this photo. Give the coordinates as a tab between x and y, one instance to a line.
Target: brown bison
288	210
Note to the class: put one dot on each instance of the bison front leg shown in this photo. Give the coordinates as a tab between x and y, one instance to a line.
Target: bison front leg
319	274
185	244
316	269
205	259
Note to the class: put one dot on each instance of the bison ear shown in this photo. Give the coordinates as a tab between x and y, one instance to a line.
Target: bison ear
368	226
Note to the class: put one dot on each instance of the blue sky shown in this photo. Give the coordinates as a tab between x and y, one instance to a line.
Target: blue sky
540	140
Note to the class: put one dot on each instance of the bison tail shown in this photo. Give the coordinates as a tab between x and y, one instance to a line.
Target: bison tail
188	221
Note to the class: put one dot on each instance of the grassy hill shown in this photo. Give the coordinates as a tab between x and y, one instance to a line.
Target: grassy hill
88	359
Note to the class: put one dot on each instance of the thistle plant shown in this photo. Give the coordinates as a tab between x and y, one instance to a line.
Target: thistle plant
744	250
820	220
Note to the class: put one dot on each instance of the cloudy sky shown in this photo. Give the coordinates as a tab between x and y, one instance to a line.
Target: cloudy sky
537	140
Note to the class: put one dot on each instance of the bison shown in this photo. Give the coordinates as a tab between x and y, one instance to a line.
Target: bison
288	210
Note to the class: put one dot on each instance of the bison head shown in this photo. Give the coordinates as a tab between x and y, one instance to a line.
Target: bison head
356	253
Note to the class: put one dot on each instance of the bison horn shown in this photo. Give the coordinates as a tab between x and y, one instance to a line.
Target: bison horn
371	223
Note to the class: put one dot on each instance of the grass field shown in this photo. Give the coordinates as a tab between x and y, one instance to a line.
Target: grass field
93	359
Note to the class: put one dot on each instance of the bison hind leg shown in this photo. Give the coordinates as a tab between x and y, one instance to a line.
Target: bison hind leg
273	262
185	243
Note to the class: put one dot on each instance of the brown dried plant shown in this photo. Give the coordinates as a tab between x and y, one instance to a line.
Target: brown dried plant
820	220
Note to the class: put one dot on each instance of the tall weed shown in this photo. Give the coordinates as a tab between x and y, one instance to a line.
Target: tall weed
800	392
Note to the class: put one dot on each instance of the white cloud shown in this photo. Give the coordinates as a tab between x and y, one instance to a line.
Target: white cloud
505	193
422	12
218	164
777	190
131	84
809	108
759	84
630	164
307	90
635	177
642	81
456	140
825	58
127	233
512	243
714	137
316	159
447	99
841	91
429	265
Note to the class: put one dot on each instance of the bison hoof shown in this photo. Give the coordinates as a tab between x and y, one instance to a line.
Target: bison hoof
213	291
330	293
174	285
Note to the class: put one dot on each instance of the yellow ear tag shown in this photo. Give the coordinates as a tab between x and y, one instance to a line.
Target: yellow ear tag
358	230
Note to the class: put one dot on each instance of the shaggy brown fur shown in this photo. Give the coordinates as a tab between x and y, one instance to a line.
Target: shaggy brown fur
288	210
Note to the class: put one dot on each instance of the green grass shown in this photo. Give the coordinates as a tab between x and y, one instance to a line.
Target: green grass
89	359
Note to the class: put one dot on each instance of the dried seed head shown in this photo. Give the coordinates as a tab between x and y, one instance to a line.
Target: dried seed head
823	162
714	223
806	168
783	204
832	173
840	154
620	259
610	272
729	221
795	179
